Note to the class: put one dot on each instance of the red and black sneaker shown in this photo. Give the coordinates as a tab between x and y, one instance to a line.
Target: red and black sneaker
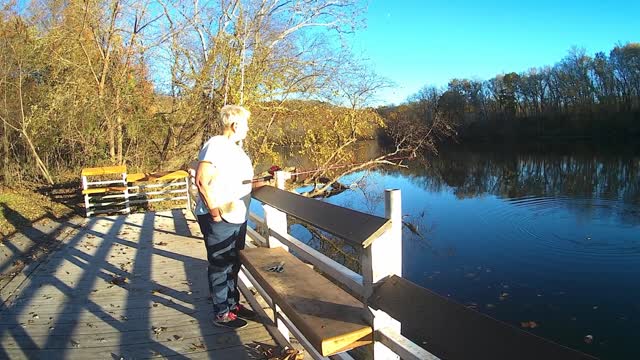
229	320
244	312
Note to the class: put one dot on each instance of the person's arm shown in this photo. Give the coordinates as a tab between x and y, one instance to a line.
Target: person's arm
267	180
205	174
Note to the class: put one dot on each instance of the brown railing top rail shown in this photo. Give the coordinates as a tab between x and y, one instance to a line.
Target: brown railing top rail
356	228
452	331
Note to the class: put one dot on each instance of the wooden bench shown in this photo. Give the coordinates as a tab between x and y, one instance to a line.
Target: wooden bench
101	185
146	188
330	318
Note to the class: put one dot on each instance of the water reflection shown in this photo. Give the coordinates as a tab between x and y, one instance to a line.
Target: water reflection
536	178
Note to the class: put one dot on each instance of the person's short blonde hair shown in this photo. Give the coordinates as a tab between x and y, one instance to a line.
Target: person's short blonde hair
230	114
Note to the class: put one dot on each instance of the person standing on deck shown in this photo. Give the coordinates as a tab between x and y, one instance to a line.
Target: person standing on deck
222	210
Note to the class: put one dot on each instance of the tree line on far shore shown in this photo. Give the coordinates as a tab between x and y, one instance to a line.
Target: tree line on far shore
595	97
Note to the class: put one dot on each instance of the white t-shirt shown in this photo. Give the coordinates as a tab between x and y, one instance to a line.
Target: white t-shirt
233	166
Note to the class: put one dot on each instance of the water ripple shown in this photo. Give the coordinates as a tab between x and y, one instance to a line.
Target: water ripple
579	230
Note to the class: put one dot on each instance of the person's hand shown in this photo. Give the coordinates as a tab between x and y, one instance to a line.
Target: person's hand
215	215
272	170
262	182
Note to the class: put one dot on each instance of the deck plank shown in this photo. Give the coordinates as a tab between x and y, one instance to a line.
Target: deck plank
75	305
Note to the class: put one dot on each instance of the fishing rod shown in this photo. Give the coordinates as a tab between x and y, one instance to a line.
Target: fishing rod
275	168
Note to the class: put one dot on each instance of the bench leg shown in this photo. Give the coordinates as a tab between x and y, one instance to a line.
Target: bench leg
126	202
86	206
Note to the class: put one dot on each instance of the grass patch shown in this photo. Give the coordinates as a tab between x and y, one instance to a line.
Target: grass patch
22	207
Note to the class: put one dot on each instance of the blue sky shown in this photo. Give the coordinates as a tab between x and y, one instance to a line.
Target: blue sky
415	43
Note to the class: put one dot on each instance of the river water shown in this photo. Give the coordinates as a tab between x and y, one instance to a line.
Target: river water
544	234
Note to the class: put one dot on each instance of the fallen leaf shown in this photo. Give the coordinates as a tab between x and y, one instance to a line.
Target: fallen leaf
118	280
588	339
291	354
529	324
197	346
158	330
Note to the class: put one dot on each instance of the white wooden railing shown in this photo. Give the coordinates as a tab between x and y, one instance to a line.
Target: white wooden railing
382	258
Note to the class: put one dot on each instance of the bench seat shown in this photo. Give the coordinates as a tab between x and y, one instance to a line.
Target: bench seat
329	317
105	170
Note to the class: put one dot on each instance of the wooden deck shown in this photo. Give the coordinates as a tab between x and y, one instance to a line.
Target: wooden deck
119	287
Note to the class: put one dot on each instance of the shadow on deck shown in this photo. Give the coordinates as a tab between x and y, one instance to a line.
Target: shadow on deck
118	287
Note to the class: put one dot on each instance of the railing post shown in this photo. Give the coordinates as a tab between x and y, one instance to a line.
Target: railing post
277	220
381	259
192	189
85	186
274	218
126	193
